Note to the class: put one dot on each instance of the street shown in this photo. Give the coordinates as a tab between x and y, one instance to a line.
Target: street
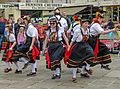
101	78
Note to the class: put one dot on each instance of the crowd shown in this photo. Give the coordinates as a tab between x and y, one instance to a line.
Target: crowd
76	42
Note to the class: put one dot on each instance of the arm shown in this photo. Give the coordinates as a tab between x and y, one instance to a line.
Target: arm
107	31
66	29
66	39
33	41
100	30
46	42
13	45
71	43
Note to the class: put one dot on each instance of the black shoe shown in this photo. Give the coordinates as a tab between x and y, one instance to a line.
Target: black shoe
56	76
7	70
74	80
105	67
18	72
90	71
85	75
36	69
31	74
25	65
78	70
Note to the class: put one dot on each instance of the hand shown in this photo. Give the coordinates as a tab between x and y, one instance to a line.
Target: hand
31	47
44	51
68	48
113	30
10	48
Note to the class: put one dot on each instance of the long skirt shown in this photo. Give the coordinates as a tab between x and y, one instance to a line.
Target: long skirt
81	52
103	56
56	53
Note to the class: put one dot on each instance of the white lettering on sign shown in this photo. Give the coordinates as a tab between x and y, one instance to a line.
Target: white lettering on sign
41	6
3	6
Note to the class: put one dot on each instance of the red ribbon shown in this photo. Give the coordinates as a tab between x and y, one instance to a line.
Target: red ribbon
9	53
48	58
35	52
96	50
68	53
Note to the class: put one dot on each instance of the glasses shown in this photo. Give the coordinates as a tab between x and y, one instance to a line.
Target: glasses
52	23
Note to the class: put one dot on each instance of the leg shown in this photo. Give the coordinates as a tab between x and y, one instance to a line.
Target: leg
1	39
26	62
74	76
84	72
6	70
33	73
18	69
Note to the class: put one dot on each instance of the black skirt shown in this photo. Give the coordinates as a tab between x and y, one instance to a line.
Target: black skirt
81	52
56	53
22	50
103	56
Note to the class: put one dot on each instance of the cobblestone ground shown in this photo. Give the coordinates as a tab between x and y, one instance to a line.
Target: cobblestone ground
101	79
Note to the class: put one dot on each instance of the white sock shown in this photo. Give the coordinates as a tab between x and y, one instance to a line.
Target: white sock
83	71
87	66
8	65
35	64
74	70
58	71
33	67
17	66
23	60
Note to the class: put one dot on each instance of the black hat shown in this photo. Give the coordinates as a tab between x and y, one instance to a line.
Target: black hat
85	20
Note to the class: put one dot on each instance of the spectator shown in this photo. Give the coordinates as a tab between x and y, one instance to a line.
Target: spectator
2	30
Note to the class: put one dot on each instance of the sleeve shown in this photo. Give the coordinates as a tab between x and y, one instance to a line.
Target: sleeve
47	33
32	31
65	23
12	38
98	28
62	30
75	35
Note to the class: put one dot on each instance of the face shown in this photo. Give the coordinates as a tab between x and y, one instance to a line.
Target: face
20	20
25	21
85	24
21	30
100	20
52	24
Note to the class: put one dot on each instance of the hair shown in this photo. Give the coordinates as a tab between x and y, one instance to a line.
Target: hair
84	20
95	20
27	18
53	19
56	11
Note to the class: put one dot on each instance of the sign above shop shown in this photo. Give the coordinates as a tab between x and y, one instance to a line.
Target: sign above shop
40	6
4	6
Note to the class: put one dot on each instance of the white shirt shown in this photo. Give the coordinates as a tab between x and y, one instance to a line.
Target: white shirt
12	37
96	29
78	36
74	28
60	33
63	21
32	31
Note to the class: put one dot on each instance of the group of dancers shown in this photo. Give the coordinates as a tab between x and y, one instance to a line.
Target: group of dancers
79	47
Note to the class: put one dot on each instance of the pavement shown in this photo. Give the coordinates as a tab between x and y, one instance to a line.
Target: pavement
101	78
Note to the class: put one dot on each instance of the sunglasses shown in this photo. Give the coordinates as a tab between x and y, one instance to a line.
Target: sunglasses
52	23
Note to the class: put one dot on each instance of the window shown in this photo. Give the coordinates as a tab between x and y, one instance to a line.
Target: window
28	0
